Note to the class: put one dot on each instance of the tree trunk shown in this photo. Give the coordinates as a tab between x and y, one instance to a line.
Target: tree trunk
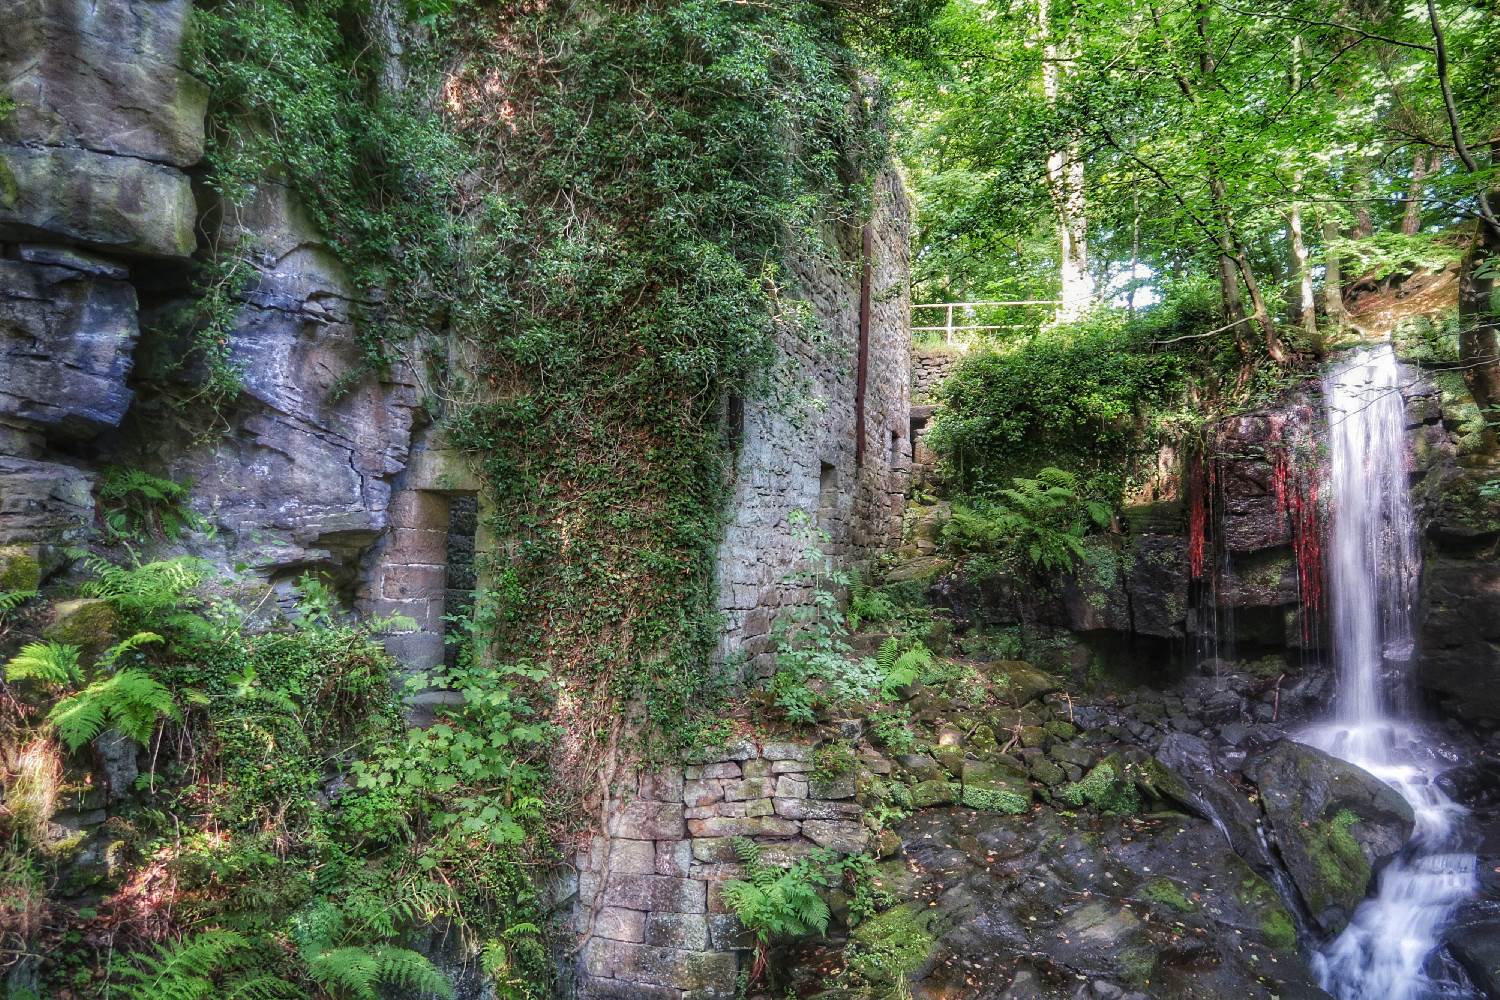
1411	219
1333	277
1305	308
1479	323
1065	185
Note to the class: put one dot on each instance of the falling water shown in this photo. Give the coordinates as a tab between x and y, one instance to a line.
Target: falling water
1387	951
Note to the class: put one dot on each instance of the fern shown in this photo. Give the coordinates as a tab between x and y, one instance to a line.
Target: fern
135	505
336	960
772	901
51	664
206	966
1040	521
130	701
12	599
907	669
868	605
143	591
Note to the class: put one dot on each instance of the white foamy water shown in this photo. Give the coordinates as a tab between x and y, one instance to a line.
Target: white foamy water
1385	952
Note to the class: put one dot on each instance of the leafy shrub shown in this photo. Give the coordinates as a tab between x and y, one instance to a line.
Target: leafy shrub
1038	522
135	505
1088	396
900	668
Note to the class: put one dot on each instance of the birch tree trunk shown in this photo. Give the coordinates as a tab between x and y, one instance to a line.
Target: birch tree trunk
1411	218
1065	184
1307	313
1333	276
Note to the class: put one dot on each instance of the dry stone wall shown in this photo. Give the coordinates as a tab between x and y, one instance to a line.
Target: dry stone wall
650	903
799	452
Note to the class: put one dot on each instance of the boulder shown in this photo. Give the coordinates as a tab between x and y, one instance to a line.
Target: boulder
66	339
117	204
1476	945
44	507
102	76
1333	824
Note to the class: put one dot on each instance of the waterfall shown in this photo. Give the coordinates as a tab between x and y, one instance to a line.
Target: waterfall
1387	951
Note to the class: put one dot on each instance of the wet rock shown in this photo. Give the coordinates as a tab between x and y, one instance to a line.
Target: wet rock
1476	945
1333	824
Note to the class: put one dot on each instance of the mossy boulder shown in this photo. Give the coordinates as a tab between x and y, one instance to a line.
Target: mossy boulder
1017	682
20	568
1333	824
887	949
86	622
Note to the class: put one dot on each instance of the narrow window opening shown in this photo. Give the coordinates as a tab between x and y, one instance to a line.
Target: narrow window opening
461	580
828	496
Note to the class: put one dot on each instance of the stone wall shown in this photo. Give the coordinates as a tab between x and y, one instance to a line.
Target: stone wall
649	902
930	364
798	451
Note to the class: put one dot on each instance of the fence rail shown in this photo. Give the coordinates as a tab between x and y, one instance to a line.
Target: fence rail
949	328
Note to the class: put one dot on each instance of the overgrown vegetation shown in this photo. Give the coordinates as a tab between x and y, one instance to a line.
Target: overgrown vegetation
291	832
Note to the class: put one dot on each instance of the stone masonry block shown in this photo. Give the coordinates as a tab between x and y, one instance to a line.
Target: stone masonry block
632	857
713	849
642	820
760	826
678	930
674	857
722	769
710	974
845	836
655	893
815	809
662	786
703	792
789	787
620	924
748	788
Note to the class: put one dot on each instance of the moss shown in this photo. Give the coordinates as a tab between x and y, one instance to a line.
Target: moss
1341	864
1138	964
1276	927
85	622
20	570
1107	787
1058	729
1165	892
883	950
994	800
934	793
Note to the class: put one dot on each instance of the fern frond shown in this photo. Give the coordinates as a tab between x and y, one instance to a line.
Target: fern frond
885	658
54	664
130	701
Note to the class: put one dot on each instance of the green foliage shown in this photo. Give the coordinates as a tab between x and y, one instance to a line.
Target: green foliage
347	957
900	668
10	600
130	701
1090	397
50	664
206	966
994	800
135	505
145	594
867	604
1040	523
772	901
892	730
833	759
